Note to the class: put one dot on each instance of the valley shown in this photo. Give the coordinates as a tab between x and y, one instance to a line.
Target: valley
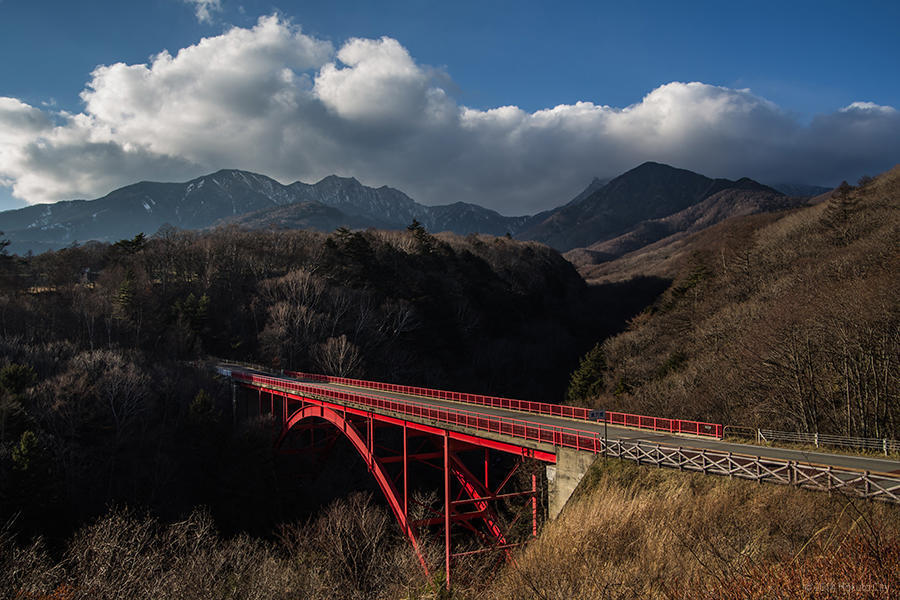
719	306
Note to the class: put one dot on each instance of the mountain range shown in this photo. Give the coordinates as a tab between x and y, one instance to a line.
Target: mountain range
234	196
607	219
356	205
636	201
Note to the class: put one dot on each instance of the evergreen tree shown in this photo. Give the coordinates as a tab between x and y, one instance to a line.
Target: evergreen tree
586	381
131	246
126	294
423	239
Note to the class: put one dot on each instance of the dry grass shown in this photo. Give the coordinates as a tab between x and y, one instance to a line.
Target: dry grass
630	532
645	533
351	551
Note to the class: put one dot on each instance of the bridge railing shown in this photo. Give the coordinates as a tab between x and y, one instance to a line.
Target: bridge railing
825	478
864	484
542	408
714	430
518	428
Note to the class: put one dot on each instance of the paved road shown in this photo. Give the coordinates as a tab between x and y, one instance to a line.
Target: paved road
862	463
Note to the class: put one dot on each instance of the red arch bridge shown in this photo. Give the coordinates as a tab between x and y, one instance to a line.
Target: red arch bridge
438	427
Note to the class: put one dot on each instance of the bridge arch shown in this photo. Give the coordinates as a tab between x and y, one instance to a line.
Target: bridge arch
345	426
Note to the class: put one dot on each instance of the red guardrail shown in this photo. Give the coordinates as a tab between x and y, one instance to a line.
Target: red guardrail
541	408
668	425
549	434
692	459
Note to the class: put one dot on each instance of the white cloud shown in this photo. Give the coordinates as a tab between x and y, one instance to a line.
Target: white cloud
20	120
46	162
275	100
204	9
380	84
868	107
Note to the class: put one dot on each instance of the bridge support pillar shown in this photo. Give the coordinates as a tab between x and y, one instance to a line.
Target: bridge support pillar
234	414
564	477
447	508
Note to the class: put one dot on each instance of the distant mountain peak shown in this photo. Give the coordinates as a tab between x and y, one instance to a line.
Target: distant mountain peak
223	173
338	179
604	210
648	192
652	166
745	183
595	184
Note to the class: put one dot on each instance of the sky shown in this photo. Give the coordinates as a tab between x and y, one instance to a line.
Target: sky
512	105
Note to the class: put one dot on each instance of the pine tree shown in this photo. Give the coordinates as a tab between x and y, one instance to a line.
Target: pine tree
586	381
423	239
126	293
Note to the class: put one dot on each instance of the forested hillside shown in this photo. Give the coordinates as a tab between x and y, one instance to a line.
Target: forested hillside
470	310
102	402
789	321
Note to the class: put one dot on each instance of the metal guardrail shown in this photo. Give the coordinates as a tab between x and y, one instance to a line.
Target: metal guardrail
682	426
518	428
700	428
883	445
220	365
852	482
543	408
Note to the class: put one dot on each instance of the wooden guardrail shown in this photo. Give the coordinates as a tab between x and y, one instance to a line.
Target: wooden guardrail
884	445
863	484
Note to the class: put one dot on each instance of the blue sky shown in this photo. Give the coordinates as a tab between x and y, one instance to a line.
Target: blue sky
817	72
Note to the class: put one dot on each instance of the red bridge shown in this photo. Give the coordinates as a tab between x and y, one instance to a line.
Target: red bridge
437	428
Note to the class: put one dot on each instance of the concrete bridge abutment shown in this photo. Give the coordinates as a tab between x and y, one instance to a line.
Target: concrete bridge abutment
564	477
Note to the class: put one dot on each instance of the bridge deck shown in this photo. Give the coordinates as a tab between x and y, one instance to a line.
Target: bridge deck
613	432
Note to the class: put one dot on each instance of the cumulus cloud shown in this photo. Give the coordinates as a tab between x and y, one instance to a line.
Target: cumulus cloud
204	9
380	84
274	100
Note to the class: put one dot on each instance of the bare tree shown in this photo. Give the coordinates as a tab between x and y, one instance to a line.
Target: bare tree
397	317
341	300
338	356
118	384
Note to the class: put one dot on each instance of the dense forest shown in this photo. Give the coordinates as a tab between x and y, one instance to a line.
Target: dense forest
786	321
397	305
102	402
